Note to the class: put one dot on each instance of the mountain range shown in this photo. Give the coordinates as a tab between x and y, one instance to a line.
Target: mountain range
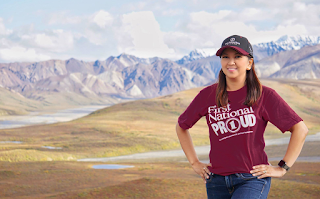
295	64
196	54
284	43
261	50
127	77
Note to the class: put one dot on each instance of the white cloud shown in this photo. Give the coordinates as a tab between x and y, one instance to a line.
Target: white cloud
111	32
3	29
102	19
275	34
254	14
182	42
136	33
204	18
207	30
44	40
53	41
62	18
142	35
216	26
136	6
251	12
27	45
18	53
273	3
172	12
298	6
305	14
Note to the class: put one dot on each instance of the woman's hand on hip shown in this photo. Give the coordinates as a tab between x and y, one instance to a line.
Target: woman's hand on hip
264	170
202	169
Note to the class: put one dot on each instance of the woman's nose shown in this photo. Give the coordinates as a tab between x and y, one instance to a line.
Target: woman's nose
231	62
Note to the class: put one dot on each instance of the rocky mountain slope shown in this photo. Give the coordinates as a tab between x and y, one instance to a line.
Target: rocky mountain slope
284	43
196	54
295	64
126	77
108	81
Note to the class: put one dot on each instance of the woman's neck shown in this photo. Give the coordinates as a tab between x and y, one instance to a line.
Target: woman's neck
234	85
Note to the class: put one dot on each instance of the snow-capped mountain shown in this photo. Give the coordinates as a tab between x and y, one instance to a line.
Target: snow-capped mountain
293	64
261	50
106	81
128	77
297	42
284	43
197	54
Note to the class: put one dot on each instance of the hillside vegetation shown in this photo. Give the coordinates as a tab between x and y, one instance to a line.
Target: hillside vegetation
13	103
139	126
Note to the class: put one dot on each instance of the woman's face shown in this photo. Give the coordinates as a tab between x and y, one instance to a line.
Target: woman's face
234	65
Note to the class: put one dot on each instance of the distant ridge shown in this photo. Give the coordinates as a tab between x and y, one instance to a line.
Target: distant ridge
126	77
261	50
295	64
108	81
196	54
284	43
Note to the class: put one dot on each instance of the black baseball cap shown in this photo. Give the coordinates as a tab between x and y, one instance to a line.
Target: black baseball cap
238	43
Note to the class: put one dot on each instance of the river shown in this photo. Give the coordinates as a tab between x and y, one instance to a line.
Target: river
35	118
71	114
200	150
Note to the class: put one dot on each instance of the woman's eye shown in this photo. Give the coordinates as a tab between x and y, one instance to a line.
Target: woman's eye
224	56
238	56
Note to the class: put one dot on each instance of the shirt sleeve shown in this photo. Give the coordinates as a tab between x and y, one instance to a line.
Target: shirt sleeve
193	112
279	113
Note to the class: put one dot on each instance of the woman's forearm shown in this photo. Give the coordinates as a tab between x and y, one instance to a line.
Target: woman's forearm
186	144
298	135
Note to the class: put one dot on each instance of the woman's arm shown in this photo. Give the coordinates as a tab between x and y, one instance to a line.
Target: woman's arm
298	136
188	148
299	132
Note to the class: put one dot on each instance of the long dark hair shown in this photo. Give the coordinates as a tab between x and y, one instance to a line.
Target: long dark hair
254	88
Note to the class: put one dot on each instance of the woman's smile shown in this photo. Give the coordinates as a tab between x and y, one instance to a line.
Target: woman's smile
232	69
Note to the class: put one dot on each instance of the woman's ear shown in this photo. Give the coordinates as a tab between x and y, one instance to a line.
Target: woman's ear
250	64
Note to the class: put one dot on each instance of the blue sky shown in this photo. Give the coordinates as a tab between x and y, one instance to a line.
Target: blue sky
38	30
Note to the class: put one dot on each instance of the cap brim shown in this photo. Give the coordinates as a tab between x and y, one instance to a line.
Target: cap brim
240	50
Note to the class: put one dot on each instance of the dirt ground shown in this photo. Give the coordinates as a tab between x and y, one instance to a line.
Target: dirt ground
161	179
152	180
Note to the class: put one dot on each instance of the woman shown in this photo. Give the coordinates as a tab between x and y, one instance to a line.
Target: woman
237	109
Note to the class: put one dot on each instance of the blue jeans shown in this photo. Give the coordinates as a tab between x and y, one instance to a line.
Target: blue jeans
237	186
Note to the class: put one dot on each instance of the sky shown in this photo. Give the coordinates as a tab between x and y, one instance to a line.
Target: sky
40	30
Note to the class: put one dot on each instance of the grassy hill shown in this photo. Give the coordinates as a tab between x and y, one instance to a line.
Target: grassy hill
13	103
139	126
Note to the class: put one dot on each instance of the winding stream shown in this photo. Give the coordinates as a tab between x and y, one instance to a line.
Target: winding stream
37	118
71	114
200	150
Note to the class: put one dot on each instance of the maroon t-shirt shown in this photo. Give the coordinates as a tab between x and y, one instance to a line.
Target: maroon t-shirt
236	131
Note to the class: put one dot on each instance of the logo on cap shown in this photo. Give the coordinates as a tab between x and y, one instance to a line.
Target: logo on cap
232	42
